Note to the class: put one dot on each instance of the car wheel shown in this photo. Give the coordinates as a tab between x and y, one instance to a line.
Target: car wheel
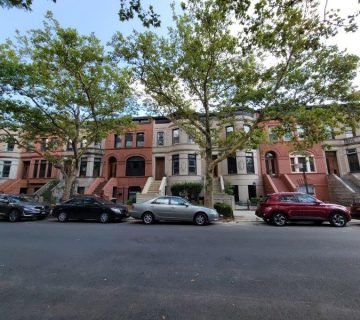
278	219
200	219
337	219
14	216
148	218
104	217
62	217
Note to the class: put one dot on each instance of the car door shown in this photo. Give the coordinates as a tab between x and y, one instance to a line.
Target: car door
91	208
288	203
160	208
310	208
4	205
73	207
180	209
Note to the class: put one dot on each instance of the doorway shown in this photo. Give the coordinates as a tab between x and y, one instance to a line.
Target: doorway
353	160
270	163
26	169
159	168
252	191
215	171
236	193
331	162
112	167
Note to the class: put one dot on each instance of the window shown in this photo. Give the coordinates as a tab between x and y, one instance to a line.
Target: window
140	139
42	170
81	190
128	140
36	167
329	133
249	158
192	164
349	133
160	138
177	201
175	164
272	135
97	167
69	146
247	128
161	200
300	132
175	136
6	169
49	170
117	141
44	143
191	139
287	137
302	163
304	198
232	167
287	198
97	144
135	166
229	130
83	167
10	145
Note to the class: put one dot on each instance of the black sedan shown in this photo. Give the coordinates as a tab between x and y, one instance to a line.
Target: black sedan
89	207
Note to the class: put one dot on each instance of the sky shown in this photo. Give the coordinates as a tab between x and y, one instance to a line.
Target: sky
101	17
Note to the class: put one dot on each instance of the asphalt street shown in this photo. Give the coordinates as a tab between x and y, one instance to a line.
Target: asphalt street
127	270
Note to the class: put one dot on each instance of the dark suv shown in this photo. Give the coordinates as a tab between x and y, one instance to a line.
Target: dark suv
16	207
278	208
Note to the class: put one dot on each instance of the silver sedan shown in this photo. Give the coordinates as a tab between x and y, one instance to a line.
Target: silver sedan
171	208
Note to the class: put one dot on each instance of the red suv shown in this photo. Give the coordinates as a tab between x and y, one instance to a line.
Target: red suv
278	208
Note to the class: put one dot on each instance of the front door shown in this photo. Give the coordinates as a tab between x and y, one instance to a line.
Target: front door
26	167
159	168
353	160
112	168
215	171
331	162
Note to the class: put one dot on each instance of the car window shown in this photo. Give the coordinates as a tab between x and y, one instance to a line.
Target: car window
17	199
161	201
89	200
75	201
287	198
305	198
177	201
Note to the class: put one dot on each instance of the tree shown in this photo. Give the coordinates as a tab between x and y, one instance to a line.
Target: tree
21	4
270	58
59	85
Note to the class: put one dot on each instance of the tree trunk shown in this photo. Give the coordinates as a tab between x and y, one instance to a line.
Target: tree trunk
208	188
68	186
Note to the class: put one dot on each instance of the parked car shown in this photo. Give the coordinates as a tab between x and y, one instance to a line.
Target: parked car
355	210
171	208
89	207
16	207
278	208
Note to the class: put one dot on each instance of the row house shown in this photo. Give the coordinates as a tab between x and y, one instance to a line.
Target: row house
155	154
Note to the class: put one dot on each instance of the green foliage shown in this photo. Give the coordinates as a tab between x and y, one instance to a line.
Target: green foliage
21	4
131	201
254	201
63	86
202	76
229	189
224	209
188	190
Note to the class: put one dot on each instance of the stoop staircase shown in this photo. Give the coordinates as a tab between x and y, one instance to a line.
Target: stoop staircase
343	190
154	188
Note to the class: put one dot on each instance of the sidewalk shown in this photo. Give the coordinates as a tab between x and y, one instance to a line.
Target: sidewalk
243	215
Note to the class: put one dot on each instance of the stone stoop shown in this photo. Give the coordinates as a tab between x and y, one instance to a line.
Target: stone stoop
341	192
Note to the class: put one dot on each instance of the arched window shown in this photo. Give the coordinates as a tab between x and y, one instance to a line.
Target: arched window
270	163
135	166
303	162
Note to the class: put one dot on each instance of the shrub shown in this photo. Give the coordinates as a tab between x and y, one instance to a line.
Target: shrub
255	201
188	190
224	209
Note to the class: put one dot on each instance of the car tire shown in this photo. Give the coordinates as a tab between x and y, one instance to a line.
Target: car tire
148	218
104	217
62	217
338	220
279	219
200	219
14	216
